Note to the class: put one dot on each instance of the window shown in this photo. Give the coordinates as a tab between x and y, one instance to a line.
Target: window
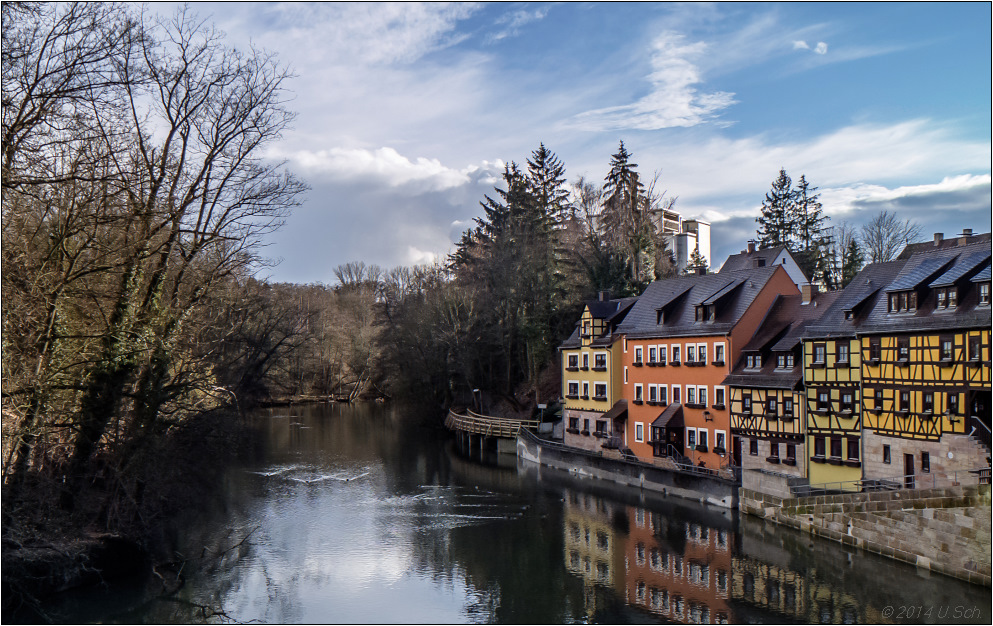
586	431
781	361
573	389
653	354
690	438
586	391
600	391
836	447
675	355
903	349
661	354
788	407
770	407
928	401
774	449
789	361
947	348
625	374
847	402
701	351
638	392
690	395
719	354
702	395
975	348
820	352
653	393
719	397
675	394
904	400
842	352
574	423
639	431
875	349
791	451
702	440
586	329
984	293
573	361
823	400
662	394
601	426
879	399
690	354
586	361
853	449
720	438
819	446
903	301
925	462
600	360
637	355
753	447
953	404
946	297
746	403
886	454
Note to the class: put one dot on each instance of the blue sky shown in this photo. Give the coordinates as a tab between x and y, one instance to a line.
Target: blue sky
408	112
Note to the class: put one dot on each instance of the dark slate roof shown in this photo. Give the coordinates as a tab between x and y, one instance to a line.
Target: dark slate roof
782	330
611	310
671	417
573	341
919	270
927	318
952	242
746	260
984	274
961	267
864	292
642	320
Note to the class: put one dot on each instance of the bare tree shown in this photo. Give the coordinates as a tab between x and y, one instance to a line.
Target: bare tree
885	235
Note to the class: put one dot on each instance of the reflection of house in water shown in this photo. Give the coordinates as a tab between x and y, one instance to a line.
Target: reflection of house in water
678	569
593	548
796	596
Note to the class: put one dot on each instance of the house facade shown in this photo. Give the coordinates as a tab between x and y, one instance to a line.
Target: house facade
591	376
678	343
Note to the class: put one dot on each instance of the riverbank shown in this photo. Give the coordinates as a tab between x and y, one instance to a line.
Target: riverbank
113	534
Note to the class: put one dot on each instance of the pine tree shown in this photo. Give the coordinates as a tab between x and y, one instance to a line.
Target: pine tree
697	261
809	243
546	182
777	223
627	223
852	263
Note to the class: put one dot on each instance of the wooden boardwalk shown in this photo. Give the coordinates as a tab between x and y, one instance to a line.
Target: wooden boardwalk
487	426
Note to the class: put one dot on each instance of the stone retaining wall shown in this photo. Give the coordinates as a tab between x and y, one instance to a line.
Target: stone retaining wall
945	530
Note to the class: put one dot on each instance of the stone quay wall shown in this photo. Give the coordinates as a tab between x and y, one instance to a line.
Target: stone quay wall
700	487
945	530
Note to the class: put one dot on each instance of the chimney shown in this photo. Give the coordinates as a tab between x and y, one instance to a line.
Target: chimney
967	232
938	237
603	296
807	292
751	246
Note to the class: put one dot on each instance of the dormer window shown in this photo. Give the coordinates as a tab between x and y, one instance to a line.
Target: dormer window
705	312
946	297
586	329
753	361
781	361
984	294
903	301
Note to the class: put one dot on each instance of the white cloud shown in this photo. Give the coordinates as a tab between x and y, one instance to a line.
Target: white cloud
800	45
674	100
387	166
951	191
419	257
821	48
514	20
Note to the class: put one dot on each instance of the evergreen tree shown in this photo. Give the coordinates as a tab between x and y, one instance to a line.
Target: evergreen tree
546	181
697	261
627	223
810	243
853	261
777	223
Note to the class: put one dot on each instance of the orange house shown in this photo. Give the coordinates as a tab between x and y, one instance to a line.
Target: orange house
679	342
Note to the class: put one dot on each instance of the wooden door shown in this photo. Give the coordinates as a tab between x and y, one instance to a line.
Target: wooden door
908	471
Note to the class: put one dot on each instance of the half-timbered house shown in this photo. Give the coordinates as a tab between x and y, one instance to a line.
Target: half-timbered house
768	401
925	351
594	407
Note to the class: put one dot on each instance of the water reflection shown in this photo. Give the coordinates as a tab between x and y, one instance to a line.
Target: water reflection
354	516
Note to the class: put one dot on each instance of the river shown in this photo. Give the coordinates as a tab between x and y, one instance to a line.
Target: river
350	514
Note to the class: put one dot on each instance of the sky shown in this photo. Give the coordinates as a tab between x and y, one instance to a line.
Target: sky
407	113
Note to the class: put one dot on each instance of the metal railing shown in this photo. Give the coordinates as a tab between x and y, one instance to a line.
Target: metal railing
487	425
930	480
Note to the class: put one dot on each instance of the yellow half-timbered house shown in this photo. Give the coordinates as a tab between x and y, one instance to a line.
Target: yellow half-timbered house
592	384
768	401
832	380
925	351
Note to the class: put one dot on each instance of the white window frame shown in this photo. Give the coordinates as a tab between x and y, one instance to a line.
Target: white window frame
653	393
701	348
639	354
625	374
595	385
570	382
690	390
724	391
586	390
701	395
664	394
606	358
702	438
663	353
724	434
569	359
676	391
586	360
673	351
688	349
655	358
624	342
723	349
639	392
689	431
639	432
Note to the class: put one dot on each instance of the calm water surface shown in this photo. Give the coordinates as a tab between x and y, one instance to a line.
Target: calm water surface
349	515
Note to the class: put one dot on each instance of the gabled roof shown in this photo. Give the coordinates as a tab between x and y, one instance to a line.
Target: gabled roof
746	260
920	270
863	293
952	242
984	274
613	311
680	296
962	266
671	417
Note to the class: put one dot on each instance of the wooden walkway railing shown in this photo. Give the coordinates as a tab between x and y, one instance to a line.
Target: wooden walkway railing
489	426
